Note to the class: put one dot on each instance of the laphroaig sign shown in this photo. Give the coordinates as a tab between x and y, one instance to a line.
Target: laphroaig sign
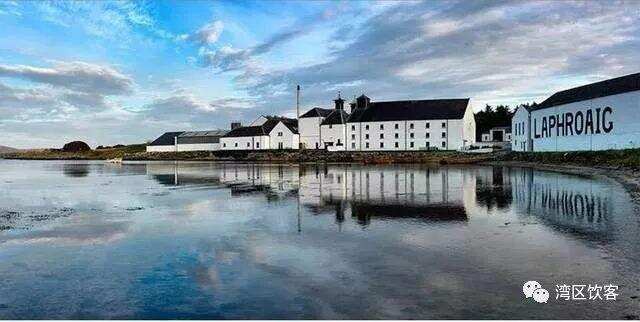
583	122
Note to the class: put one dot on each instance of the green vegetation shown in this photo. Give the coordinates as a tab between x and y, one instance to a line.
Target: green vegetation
629	158
58	154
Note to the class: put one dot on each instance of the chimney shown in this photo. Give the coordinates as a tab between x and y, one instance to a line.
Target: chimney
235	125
339	102
362	102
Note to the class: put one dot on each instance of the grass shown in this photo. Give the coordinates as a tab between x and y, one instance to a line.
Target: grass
629	158
56	154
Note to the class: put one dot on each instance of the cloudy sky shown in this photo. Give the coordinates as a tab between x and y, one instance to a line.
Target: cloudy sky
124	72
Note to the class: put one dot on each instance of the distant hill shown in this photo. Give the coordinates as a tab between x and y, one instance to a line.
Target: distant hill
6	149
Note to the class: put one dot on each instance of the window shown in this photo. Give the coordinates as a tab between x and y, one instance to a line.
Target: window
339	142
444	125
397	126
411	126
367	145
353	136
427	135
397	145
427	145
366	136
257	145
224	145
411	144
353	127
236	144
411	135
396	135
279	133
330	126
382	126
248	144
382	135
427	125
381	145
353	145
444	135
444	144
366	127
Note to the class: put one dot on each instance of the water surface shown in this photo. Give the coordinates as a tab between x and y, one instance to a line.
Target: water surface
237	240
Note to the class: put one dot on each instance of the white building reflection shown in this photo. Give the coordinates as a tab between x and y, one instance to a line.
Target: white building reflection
420	192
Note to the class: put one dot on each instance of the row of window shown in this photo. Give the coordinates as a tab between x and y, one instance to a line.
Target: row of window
397	126
396	145
397	136
519	128
224	145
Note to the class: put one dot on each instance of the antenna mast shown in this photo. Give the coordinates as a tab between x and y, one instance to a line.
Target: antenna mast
298	101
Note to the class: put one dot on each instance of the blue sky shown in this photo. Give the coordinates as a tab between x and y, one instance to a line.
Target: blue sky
124	72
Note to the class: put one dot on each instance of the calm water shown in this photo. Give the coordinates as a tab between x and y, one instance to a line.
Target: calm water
212	240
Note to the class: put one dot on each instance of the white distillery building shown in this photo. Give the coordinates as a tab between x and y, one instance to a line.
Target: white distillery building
446	124
266	133
309	127
187	141
598	116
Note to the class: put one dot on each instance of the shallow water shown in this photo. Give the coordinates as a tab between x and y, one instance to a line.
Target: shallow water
224	240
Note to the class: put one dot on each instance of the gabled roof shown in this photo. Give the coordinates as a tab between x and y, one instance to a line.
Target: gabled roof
166	139
336	117
264	129
201	137
438	109
317	112
203	133
624	84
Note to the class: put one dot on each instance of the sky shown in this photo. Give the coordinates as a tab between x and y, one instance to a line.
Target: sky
125	72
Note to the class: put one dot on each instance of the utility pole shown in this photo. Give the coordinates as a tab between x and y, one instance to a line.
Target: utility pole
298	101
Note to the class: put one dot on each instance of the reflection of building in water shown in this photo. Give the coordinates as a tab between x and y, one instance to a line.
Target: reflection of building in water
387	191
580	204
493	188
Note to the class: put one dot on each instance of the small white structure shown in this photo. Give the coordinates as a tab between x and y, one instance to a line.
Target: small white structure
597	116
499	134
187	141
167	142
264	134
309	127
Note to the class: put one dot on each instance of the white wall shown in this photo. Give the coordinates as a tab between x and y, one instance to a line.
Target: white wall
281	134
469	126
161	148
245	143
520	130
453	139
617	112
309	129
333	133
199	147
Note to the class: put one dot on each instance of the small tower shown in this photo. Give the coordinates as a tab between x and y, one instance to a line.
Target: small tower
339	102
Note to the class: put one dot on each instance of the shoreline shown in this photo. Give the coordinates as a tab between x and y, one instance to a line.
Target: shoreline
619	165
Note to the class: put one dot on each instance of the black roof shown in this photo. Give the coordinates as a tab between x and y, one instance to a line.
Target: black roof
166	139
438	109
624	84
336	117
264	129
317	112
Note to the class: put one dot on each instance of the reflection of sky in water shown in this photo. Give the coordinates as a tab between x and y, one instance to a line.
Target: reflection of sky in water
207	240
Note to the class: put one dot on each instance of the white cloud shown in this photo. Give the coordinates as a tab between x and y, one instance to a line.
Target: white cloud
77	76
